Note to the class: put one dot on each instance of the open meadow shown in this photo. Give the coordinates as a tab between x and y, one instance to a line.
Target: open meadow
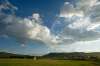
46	62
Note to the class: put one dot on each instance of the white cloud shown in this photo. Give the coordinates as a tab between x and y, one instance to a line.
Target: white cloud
93	26
25	29
69	11
7	5
36	17
77	23
88	46
81	21
85	3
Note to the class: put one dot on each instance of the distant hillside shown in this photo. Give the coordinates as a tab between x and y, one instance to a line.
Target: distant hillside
70	56
65	55
11	55
97	54
73	55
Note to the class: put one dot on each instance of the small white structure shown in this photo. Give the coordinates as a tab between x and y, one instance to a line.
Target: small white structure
35	58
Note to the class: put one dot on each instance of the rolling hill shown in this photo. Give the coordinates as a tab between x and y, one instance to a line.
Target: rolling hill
61	56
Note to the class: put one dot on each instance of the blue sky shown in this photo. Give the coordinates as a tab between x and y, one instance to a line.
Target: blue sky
43	26
48	10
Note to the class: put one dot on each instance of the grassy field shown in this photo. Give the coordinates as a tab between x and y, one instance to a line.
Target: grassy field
30	62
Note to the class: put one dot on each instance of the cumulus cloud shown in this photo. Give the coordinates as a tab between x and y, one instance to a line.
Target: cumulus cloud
76	22
68	10
81	21
24	29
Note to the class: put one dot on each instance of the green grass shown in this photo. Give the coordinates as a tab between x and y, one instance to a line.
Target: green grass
45	62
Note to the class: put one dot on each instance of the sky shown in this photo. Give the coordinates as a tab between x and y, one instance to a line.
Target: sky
37	27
